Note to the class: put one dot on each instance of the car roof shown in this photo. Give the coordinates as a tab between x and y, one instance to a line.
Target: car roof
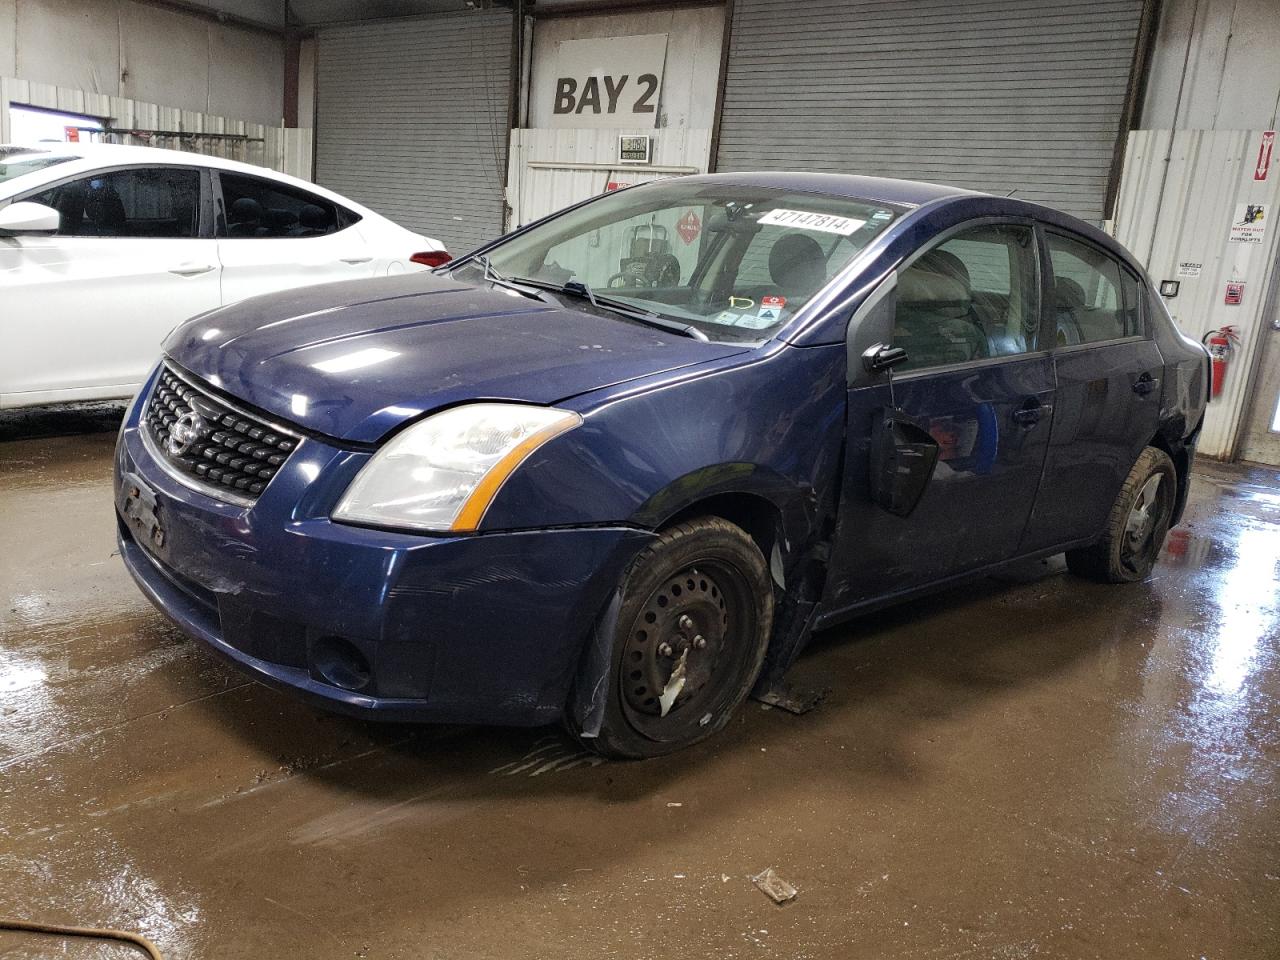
89	156
912	193
119	153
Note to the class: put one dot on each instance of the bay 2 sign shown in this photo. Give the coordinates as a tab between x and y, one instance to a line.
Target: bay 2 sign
610	82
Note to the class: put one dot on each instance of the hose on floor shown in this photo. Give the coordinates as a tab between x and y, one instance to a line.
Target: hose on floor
135	940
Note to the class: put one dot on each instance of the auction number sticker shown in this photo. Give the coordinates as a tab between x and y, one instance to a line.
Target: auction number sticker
806	220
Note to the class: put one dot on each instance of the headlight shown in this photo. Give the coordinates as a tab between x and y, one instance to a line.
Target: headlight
442	473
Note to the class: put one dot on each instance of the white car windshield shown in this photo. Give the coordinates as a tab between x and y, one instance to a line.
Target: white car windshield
732	261
17	162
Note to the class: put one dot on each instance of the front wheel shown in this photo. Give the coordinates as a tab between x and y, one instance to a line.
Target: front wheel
693	627
1137	524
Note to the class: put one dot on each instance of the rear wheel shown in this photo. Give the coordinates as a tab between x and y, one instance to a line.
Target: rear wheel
695	619
1137	525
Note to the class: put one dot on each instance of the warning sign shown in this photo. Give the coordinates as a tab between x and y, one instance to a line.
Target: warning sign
1249	223
689	226
1263	166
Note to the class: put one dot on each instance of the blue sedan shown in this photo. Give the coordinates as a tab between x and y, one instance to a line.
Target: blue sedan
616	467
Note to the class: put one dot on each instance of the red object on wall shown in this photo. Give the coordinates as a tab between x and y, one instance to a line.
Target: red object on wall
1235	293
73	134
1220	343
1263	166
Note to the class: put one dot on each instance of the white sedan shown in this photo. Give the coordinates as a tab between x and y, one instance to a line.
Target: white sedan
104	249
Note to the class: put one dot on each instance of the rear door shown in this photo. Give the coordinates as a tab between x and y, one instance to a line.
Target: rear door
976	391
85	310
1108	372
273	236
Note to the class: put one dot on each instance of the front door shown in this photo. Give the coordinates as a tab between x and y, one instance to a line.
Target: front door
976	386
86	309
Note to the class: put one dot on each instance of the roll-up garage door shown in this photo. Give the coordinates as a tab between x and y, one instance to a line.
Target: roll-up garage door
411	120
993	95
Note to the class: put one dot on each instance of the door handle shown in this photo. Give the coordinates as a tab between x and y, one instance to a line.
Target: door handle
355	259
191	269
1145	384
1030	413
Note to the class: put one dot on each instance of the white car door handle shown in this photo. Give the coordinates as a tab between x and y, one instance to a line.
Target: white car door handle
355	259
191	269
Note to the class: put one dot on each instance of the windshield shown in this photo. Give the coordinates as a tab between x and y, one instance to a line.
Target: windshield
733	261
15	164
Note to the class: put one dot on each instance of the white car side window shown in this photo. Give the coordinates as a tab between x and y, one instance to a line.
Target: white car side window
159	202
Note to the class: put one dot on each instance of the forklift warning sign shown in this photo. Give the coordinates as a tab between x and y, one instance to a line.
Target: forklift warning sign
1249	224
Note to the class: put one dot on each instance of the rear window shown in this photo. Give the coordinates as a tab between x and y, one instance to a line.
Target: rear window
16	165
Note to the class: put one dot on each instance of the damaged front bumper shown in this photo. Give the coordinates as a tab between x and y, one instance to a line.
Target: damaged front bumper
484	628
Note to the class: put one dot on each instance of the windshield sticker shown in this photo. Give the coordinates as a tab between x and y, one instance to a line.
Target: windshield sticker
729	318
689	226
805	220
771	309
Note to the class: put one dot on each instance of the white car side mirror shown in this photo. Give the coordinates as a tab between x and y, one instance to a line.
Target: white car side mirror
27	217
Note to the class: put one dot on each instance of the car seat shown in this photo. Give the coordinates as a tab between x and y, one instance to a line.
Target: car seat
104	210
245	218
313	221
935	321
1068	304
797	265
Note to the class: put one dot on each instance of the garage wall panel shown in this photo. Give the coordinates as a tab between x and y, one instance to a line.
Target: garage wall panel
995	95
412	121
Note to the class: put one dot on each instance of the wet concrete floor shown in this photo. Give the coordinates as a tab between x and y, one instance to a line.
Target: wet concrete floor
1030	767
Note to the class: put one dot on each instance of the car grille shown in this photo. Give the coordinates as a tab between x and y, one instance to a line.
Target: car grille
213	443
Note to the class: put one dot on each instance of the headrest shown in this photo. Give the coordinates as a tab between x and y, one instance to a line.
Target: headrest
246	208
797	264
922	286
1067	293
313	217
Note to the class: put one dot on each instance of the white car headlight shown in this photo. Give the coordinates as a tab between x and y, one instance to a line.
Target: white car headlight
442	473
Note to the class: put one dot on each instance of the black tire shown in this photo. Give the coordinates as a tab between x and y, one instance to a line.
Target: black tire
702	580
1130	544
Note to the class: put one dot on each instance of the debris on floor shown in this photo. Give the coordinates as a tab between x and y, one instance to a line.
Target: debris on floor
774	887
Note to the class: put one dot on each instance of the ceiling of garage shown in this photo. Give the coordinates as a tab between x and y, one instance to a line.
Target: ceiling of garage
312	13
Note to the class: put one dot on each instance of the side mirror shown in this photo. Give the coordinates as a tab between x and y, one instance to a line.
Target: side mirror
878	357
28	217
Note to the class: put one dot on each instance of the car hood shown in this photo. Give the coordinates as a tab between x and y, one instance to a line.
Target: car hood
355	360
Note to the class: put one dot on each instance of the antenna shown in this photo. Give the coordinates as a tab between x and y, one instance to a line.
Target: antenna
1012	192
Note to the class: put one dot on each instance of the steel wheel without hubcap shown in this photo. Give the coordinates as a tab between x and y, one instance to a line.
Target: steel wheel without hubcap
679	641
1149	508
689	639
1140	516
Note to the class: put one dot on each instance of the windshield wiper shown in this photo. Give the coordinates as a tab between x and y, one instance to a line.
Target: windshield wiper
576	288
498	280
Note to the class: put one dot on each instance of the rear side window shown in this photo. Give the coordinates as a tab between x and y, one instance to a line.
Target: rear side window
1094	298
972	297
161	202
254	209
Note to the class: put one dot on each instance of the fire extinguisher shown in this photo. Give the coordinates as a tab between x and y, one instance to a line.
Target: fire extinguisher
1220	343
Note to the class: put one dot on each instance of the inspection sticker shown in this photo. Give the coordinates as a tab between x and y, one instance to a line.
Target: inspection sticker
805	220
771	309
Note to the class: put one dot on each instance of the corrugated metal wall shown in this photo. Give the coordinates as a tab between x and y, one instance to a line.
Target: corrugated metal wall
1178	196
135	114
412	121
992	95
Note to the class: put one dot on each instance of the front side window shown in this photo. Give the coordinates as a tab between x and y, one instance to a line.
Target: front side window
732	261
255	209
972	297
162	202
1089	294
